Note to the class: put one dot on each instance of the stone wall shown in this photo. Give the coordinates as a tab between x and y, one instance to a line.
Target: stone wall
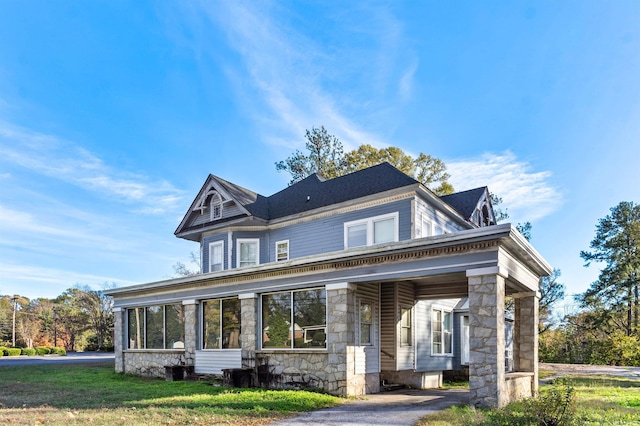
296	370
151	363
518	386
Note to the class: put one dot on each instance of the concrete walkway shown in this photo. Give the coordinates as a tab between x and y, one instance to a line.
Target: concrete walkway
397	408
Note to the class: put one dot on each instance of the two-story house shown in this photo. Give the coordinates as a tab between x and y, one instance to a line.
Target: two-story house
342	284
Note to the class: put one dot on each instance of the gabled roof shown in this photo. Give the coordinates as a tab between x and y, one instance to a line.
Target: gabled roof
465	202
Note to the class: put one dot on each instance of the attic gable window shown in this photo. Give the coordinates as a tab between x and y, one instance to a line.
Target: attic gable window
216	206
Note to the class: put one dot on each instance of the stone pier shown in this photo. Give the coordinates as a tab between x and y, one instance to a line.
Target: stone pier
486	337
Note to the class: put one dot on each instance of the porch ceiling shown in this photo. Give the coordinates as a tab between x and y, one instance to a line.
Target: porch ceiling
449	286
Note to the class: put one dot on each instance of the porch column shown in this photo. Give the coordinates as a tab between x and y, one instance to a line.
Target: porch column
486	337
248	309
190	308
119	336
341	339
525	336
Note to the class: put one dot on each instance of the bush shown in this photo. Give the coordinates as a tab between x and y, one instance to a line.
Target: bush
14	351
58	351
3	351
28	352
556	407
41	350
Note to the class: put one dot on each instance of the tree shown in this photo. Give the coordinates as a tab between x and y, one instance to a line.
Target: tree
551	291
326	157
98	309
182	270
617	244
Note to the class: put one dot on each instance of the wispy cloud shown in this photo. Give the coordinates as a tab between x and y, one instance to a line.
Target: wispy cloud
59	159
527	194
303	77
50	280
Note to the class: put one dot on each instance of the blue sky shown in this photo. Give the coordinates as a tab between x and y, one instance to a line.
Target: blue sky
113	113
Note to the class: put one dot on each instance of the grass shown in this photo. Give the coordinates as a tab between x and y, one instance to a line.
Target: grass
94	394
600	400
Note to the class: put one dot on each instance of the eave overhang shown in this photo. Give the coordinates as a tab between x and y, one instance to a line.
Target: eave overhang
499	237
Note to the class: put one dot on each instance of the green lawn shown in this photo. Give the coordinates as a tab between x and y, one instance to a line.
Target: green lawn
600	400
94	394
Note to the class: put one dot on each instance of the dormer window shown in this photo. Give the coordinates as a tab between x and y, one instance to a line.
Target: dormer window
216	206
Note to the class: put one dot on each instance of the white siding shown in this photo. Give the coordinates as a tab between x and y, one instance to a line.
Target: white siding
214	361
405	299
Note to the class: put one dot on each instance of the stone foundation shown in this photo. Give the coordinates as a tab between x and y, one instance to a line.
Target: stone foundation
286	370
147	363
413	379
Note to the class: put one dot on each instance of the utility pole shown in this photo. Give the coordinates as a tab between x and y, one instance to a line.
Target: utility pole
14	299
55	329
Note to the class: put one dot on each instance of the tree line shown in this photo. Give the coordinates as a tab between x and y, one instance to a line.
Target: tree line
79	319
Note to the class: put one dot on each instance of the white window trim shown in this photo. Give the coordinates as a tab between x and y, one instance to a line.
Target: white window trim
372	331
411	327
276	246
442	312
217	243
216	201
369	223
291	320
239	242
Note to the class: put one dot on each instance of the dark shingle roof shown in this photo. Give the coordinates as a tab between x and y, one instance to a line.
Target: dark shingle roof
465	202
314	192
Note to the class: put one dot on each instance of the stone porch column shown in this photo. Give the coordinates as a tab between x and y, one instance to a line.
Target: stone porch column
190	330
486	337
341	339
248	336
525	336
119	336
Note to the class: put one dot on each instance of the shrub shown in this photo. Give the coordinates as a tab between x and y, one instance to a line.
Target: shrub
14	351
3	351
556	407
41	350
28	352
58	351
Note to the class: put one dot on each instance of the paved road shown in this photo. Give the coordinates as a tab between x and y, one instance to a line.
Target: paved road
70	358
397	408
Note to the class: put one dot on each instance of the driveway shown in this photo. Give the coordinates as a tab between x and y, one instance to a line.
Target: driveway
397	408
70	358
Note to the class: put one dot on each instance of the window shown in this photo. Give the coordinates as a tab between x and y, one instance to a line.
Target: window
431	227
374	230
295	319
216	206
427	227
248	252
366	323
156	327
216	256
441	336
405	326
282	250
221	324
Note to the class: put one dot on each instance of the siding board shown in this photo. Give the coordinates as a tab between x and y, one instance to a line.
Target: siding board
214	361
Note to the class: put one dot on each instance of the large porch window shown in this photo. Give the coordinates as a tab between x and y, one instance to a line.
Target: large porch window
221	324
156	327
295	319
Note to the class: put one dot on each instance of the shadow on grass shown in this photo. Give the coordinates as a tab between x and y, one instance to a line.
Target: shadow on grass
95	386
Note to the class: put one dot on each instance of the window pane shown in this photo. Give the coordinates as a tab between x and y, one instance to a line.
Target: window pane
436	328
405	337
248	254
310	318
136	330
282	251
447	332
211	325
384	231
175	326
426	228
276	320
216	257
155	327
230	323
357	235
